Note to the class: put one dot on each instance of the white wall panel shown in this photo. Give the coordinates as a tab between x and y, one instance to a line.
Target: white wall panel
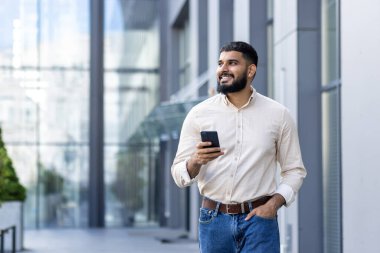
213	41
360	54
241	20
286	73
285	19
285	91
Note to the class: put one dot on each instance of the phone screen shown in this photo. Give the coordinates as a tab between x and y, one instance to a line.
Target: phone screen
211	136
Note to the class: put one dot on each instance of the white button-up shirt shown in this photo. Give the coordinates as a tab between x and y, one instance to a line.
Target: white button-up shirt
254	138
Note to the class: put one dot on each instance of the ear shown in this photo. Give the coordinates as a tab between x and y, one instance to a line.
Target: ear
251	70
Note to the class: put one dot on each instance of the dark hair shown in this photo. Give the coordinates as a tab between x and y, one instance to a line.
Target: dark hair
249	53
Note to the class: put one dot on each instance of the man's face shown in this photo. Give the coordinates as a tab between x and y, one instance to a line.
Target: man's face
232	72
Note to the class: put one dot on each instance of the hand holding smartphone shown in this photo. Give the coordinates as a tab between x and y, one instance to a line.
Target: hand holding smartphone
210	136
205	154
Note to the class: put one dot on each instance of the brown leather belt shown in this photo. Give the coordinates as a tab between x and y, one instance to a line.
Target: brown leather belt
234	208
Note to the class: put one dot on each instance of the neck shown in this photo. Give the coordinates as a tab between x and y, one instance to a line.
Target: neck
240	98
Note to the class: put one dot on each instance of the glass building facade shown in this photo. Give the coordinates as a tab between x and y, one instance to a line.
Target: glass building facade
131	57
44	114
158	60
44	66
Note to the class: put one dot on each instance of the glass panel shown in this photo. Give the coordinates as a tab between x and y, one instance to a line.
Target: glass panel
330	42
44	105
270	9
19	23
132	95
331	172
18	112
64	39
331	128
270	64
270	49
63	184
131	184
184	54
131	92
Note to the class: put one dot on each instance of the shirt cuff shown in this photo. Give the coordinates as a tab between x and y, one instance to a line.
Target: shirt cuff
287	192
184	174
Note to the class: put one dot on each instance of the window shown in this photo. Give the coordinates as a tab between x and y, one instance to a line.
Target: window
184	54
131	79
270	49
44	79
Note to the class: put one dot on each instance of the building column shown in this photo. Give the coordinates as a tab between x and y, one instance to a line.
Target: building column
258	38
310	205
96	163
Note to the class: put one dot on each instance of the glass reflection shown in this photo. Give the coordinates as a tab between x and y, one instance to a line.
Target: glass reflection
331	128
131	81
331	171
330	42
44	113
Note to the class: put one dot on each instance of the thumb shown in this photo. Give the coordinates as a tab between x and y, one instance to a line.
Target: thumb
250	215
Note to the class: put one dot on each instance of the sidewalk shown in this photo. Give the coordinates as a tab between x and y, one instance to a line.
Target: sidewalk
157	240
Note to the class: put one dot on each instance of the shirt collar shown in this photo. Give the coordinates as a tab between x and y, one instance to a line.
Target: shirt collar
252	97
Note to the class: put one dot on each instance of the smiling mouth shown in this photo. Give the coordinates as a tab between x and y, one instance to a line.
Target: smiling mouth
225	77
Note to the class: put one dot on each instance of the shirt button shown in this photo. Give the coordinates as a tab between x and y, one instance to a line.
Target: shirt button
238	141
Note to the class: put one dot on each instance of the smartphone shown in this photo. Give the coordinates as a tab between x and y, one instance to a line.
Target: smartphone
211	136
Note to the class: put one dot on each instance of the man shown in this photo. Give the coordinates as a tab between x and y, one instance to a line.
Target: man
237	181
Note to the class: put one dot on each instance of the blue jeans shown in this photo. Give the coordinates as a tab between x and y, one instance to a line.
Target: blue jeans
230	233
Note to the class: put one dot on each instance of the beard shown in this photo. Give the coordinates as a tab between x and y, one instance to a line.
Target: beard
237	85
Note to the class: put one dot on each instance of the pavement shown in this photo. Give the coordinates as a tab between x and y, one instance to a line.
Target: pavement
123	240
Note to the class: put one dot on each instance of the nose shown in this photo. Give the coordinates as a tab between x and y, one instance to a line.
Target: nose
223	67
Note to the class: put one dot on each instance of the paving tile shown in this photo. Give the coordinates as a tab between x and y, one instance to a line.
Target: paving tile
157	240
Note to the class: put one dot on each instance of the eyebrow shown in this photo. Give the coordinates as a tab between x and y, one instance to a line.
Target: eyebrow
229	60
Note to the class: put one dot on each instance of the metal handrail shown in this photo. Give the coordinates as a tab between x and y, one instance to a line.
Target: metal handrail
3	231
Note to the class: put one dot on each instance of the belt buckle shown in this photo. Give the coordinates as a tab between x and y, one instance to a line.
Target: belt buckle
228	209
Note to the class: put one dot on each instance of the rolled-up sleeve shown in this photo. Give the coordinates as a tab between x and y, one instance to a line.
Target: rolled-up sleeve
289	156
188	140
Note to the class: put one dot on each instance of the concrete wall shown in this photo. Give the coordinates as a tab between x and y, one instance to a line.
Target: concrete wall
360	54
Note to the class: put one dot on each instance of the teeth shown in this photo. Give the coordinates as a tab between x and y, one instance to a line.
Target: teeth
225	75
224	78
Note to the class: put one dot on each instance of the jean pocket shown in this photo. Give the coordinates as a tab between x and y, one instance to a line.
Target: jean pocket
266	218
206	215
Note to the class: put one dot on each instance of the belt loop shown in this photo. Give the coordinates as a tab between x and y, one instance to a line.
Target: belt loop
217	208
250	206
